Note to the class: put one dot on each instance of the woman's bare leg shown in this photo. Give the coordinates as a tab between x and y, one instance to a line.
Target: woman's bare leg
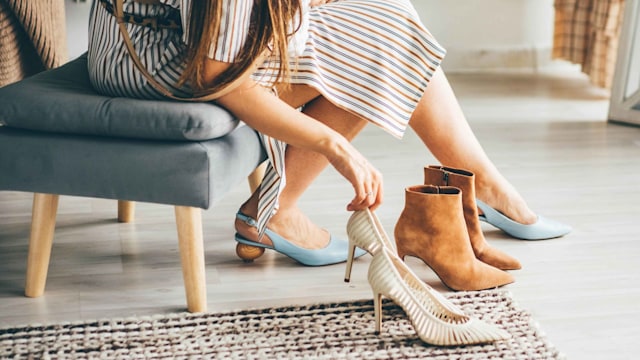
441	125
302	168
439	122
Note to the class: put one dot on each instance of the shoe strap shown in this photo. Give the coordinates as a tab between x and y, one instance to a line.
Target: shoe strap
247	220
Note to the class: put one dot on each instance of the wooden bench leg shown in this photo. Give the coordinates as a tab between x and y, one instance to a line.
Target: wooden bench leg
189	224
43	223
126	211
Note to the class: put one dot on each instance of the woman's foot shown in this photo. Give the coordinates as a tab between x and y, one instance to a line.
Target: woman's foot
508	211
292	234
292	224
508	202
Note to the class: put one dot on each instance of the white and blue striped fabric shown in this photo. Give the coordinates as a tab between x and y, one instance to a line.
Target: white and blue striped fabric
372	57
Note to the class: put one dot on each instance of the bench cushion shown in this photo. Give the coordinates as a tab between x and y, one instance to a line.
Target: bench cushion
184	173
63	100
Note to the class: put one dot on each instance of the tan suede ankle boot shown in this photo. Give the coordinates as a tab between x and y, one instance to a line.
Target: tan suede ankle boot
432	228
465	181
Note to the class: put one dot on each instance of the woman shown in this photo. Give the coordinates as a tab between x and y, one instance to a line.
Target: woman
345	63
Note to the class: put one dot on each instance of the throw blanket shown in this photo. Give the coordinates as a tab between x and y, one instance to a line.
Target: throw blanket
586	33
32	37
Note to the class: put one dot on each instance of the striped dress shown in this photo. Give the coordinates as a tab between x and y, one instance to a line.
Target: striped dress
371	57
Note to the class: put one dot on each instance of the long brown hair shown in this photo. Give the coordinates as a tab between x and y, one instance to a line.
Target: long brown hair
269	29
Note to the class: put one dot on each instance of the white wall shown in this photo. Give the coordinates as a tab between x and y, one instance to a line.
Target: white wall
77	14
481	34
478	34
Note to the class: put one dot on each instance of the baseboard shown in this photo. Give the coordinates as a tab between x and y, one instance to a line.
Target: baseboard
478	60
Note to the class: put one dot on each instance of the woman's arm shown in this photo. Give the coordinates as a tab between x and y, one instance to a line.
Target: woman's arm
268	114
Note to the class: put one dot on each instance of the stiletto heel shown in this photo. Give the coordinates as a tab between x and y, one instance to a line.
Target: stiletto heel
365	232
433	323
347	271
377	310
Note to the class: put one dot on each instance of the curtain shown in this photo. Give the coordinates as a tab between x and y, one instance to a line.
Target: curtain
32	37
586	33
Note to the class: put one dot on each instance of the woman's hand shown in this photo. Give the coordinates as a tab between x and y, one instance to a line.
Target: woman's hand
365	179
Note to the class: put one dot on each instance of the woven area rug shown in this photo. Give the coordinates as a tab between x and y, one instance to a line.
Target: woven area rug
323	331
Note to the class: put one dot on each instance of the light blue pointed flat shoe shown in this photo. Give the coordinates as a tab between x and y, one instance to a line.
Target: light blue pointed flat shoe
335	252
542	229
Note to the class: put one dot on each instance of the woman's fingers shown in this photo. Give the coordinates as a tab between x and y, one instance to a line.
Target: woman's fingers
369	192
371	200
379	197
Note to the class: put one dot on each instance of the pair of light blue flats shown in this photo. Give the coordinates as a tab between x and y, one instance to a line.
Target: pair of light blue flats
335	252
542	229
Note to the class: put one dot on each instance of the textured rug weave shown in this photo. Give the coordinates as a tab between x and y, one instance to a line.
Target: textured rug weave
323	331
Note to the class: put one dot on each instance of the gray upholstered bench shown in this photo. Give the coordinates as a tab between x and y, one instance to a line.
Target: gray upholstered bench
59	137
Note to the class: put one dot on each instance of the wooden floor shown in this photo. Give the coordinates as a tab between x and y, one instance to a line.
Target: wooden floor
546	132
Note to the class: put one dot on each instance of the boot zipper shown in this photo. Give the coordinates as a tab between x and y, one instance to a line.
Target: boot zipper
445	178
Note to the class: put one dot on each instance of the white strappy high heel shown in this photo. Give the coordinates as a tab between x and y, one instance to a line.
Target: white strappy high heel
365	232
431	317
